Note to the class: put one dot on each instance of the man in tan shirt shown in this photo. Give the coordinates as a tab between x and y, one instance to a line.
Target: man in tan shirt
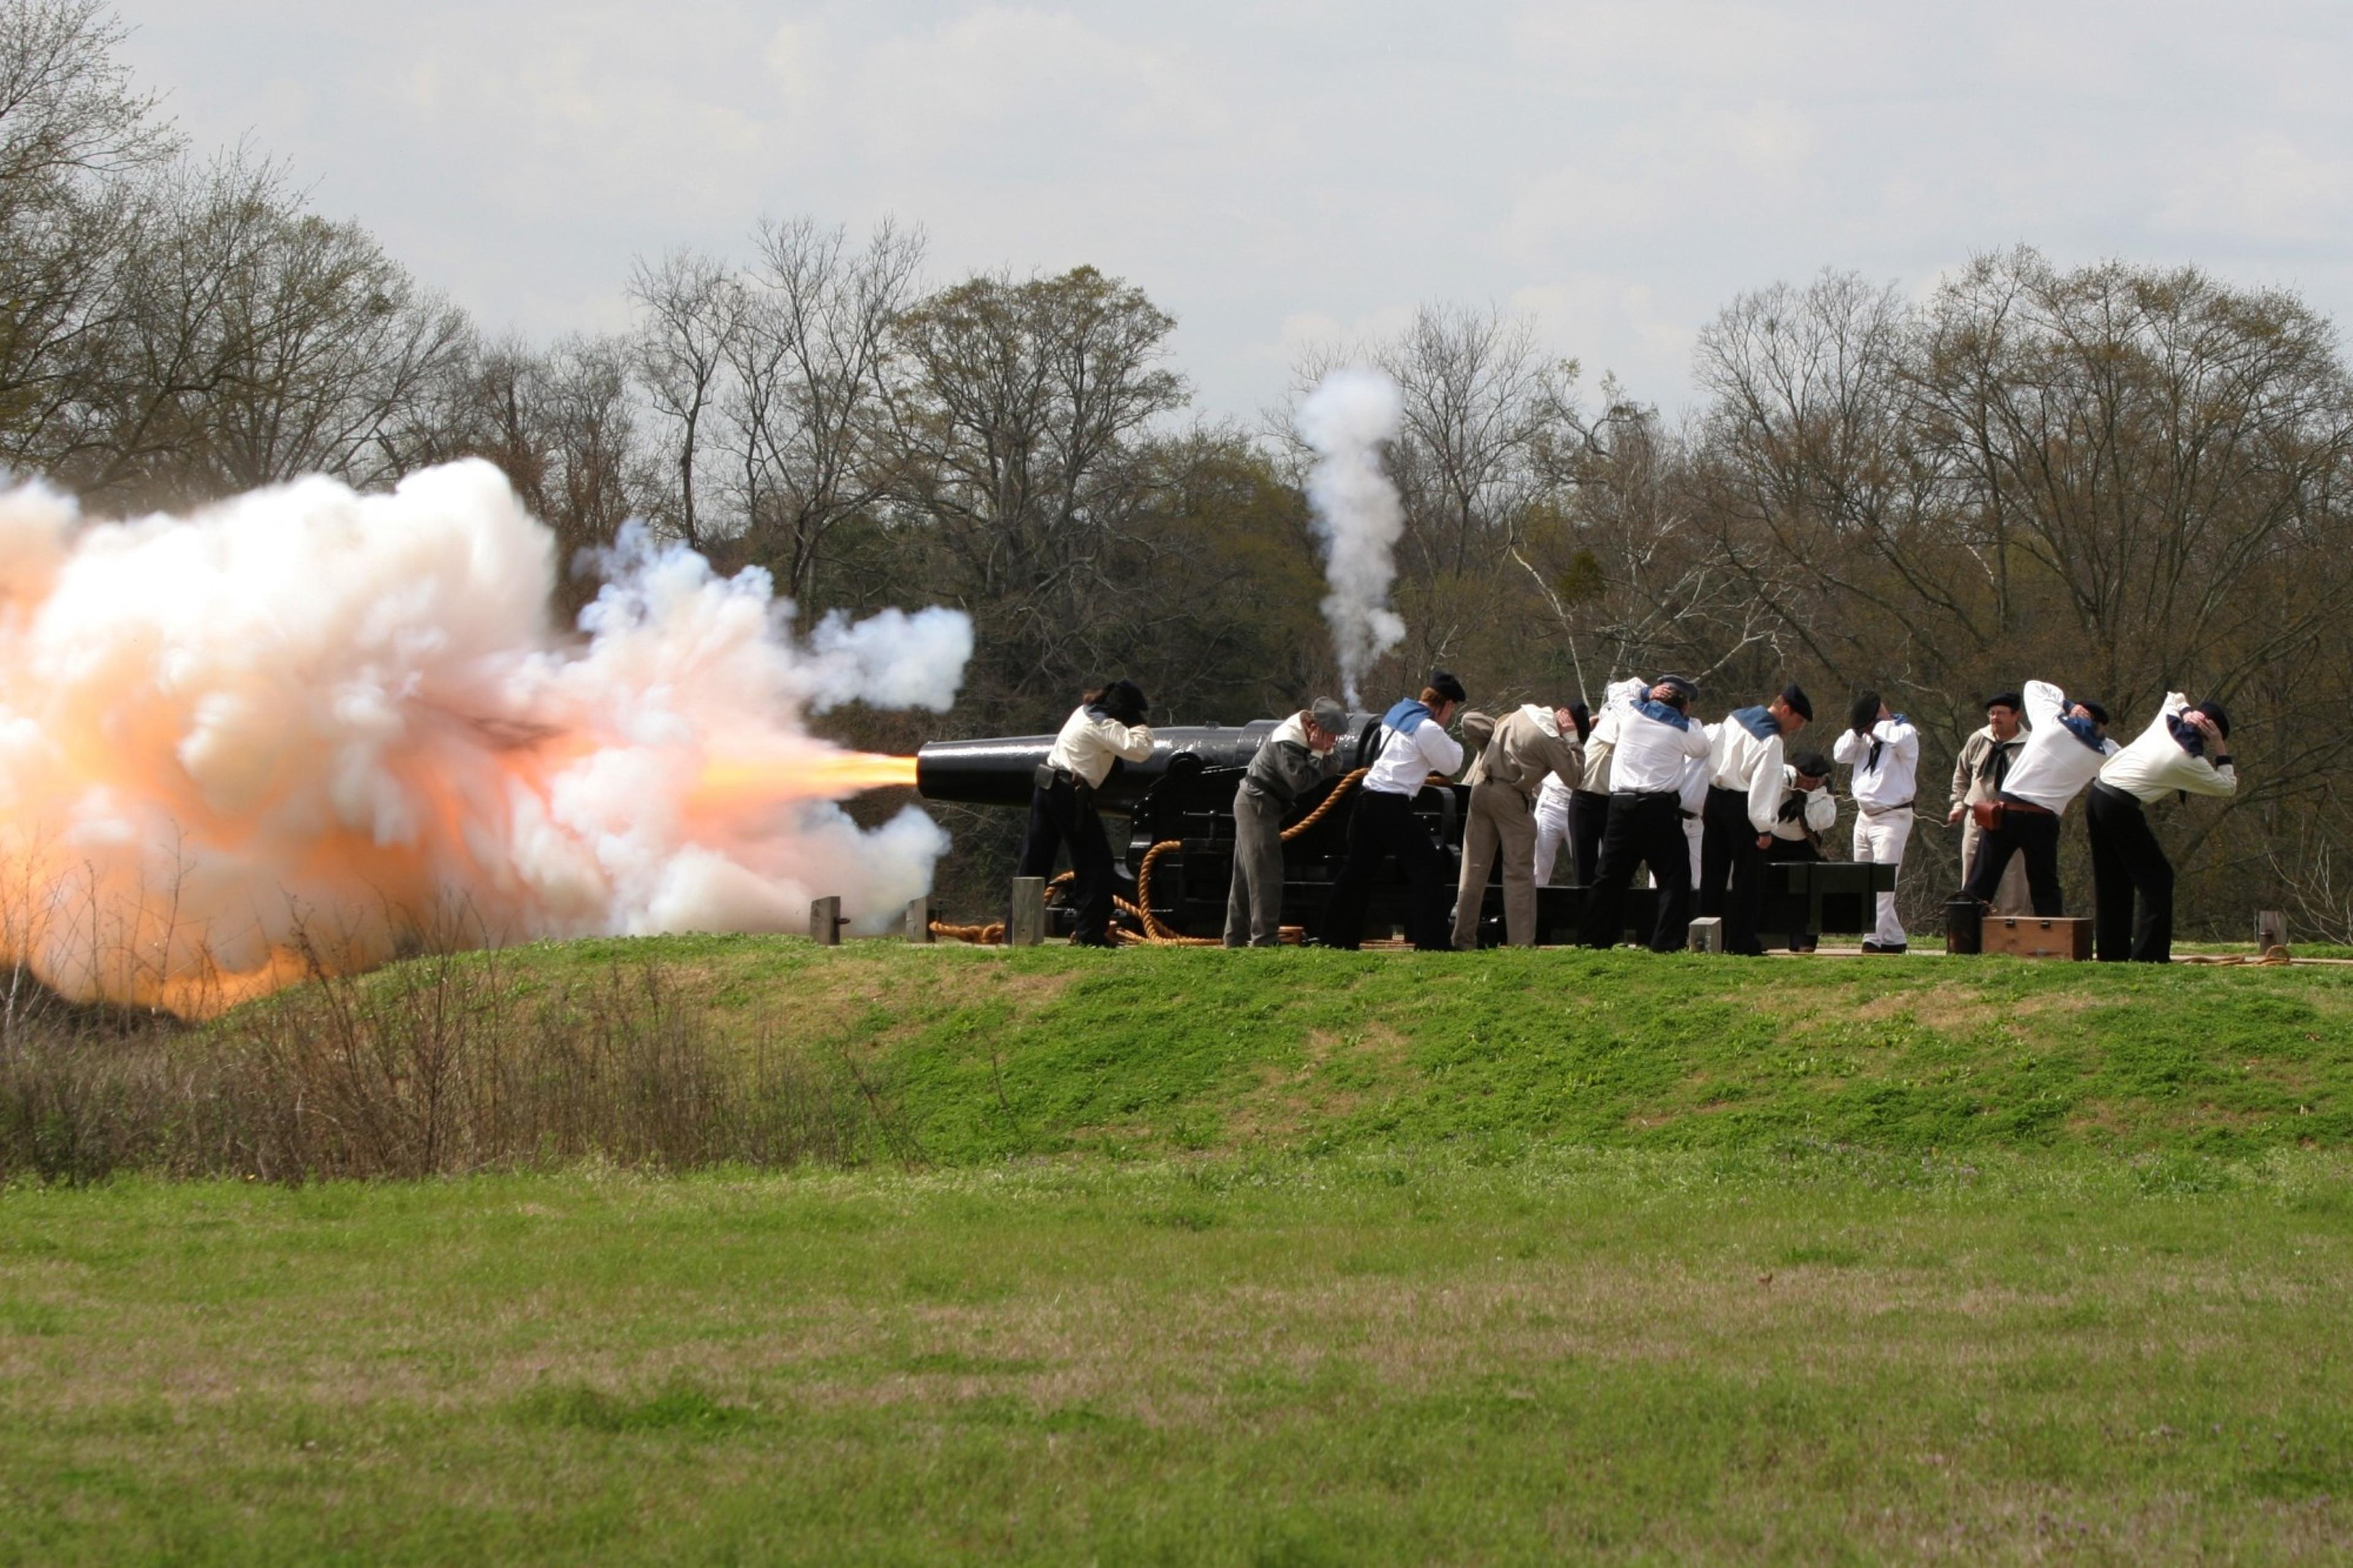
1529	743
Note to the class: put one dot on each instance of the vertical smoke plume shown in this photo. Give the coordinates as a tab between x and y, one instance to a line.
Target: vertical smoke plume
303	722
1356	512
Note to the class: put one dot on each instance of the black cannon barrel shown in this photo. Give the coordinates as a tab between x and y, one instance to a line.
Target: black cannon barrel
998	770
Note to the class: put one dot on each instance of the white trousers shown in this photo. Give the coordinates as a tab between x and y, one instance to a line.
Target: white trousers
1552	832
1880	839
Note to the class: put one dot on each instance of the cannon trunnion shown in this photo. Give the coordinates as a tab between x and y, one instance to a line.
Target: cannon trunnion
1185	791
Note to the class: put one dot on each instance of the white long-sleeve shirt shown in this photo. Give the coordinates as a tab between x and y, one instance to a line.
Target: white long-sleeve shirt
1820	813
1407	761
2055	765
2155	765
1602	739
1090	742
1648	757
1695	772
1752	764
1896	780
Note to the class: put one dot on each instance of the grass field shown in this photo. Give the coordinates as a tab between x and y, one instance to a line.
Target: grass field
1280	1258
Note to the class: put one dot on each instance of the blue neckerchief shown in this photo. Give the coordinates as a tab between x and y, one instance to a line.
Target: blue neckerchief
2083	729
1652	707
1878	746
1407	717
2187	736
1757	722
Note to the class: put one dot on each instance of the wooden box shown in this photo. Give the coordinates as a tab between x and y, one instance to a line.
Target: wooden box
2029	936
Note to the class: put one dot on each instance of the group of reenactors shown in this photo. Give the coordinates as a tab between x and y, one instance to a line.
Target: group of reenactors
1644	784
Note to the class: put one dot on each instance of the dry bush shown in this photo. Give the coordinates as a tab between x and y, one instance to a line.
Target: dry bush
439	1066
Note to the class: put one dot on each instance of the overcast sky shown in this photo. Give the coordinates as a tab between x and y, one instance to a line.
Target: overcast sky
1279	173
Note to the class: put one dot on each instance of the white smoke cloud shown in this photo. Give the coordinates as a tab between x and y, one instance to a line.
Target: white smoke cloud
309	709
1356	514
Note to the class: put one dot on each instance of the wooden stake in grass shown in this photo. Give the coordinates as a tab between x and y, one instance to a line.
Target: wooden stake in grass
1029	925
825	922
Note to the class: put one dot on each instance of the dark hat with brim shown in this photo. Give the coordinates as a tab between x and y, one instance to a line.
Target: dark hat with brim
2214	710
1794	698
2010	699
1444	683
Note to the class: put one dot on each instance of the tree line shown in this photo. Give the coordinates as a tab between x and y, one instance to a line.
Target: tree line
2124	478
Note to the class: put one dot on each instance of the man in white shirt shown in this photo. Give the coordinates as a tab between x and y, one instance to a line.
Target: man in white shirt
1744	800
1809	810
1532	746
2061	757
1883	749
1654	736
1553	804
1588	807
1413	746
1106	727
2186	751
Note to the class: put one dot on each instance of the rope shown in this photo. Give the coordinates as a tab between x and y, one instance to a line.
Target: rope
992	933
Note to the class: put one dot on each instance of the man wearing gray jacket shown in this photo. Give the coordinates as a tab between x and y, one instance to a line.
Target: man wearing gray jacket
1294	759
1530	744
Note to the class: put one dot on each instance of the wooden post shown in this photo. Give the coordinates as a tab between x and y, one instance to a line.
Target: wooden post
825	922
2271	930
1028	927
1707	934
919	920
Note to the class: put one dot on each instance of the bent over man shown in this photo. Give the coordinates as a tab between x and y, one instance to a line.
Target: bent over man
1883	749
1302	752
1414	744
1744	801
2063	755
1106	728
1655	733
1532	746
2186	750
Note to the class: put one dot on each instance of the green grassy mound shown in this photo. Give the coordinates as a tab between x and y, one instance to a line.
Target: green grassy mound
979	1053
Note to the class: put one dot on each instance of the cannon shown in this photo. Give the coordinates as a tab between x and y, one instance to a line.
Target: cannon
1183	796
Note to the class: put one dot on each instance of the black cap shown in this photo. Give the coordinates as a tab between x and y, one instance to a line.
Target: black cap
1685	691
2099	714
1445	684
1813	765
1793	697
2214	710
1582	717
2010	699
1123	700
1864	713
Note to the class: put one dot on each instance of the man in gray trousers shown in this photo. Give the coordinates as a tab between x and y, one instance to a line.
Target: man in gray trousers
1294	759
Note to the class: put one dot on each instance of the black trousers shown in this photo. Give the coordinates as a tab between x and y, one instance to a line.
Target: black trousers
1729	854
1065	815
1589	817
1643	830
2128	867
2034	834
1381	825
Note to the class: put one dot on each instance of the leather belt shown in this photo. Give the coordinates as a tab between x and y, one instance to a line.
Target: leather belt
2027	806
1883	810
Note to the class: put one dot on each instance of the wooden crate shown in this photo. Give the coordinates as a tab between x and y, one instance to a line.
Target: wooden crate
2029	936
